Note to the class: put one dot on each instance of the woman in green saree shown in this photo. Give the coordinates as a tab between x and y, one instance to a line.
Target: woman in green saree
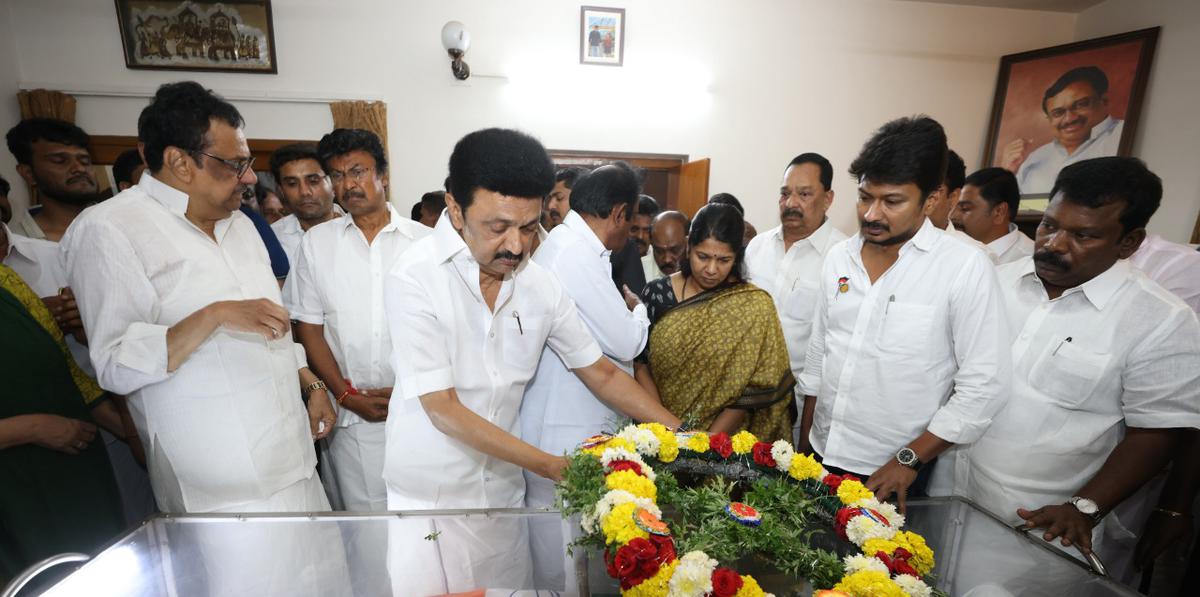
716	353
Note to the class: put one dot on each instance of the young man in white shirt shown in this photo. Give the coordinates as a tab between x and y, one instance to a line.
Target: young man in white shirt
986	211
1105	365
470	317
907	357
305	188
786	260
558	409
53	157
937	208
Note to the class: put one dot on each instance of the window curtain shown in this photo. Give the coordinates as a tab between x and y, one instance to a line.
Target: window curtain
359	114
44	103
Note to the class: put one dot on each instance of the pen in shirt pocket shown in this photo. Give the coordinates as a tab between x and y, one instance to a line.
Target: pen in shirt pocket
520	328
1068	339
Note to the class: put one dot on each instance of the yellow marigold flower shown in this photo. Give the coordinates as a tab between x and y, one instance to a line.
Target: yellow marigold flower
869	583
922	556
887	546
619	527
616	442
633	483
804	467
668	446
850	491
749	588
743	442
698	442
655	586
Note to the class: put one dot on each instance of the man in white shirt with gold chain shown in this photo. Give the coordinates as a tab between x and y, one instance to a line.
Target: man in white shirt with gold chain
470	317
907	356
987	211
786	260
1105	365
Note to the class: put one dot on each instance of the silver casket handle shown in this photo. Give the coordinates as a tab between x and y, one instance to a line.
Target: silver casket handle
33	571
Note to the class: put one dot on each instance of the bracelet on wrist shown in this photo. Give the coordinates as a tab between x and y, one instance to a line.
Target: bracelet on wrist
350	391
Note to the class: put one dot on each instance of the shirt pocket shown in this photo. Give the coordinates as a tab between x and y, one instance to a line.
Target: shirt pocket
524	338
801	304
906	329
1068	373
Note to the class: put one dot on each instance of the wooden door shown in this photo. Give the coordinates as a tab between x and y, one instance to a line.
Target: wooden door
688	186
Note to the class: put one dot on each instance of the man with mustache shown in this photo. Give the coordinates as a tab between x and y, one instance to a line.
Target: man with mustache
470	317
1076	108
53	158
558	200
786	260
1105	368
986	211
306	189
668	238
907	356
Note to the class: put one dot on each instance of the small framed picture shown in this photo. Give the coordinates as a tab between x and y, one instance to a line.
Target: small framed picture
198	35
601	35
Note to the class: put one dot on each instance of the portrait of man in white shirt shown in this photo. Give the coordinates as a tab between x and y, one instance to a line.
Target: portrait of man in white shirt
907	357
470	317
986	211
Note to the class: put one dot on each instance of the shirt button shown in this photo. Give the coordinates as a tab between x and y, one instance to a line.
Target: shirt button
492	335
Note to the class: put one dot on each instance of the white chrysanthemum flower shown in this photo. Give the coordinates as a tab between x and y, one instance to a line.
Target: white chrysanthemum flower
861	528
912	585
889	512
644	440
611	455
590	521
693	576
856	563
783	453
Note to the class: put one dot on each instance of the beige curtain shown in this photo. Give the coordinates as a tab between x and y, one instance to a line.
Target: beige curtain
359	114
44	103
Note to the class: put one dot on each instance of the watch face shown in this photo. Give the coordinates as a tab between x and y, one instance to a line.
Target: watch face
1086	506
906	456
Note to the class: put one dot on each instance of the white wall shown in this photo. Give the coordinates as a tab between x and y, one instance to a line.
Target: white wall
1168	135
747	83
10	110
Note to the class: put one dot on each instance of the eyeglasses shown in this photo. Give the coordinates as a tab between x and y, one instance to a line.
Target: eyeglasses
239	165
1076	107
357	174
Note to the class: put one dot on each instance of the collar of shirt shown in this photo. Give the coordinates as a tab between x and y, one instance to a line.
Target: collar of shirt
1004	243
176	202
22	246
819	239
576	224
447	241
924	240
347	222
288	225
1099	290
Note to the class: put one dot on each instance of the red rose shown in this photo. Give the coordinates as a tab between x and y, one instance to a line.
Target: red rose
903	567
625	562
762	454
842	519
726	582
666	548
832	481
647	569
625	465
643	549
721	444
901	554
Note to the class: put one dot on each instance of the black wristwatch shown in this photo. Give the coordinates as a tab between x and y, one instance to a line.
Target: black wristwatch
908	457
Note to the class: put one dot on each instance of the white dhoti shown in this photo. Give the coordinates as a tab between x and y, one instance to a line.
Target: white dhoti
356	453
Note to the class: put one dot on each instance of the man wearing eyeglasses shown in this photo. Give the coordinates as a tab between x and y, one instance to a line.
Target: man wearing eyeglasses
1076	108
186	319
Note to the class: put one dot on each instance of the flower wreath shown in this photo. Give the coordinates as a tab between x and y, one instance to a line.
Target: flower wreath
615	490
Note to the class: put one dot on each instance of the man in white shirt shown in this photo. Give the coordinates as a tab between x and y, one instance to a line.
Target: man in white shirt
558	200
1104	362
305	188
907	356
53	158
184	318
937	208
1173	266
987	211
1076	108
470	318
558	409
338	288
786	260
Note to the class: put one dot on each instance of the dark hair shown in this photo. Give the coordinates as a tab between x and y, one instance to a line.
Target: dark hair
996	186
126	163
27	132
728	199
1091	75
599	191
434	201
820	161
416	212
723	223
179	116
292	153
905	150
500	160
647	206
568	176
1101	181
343	141
956	171
4	187
261	190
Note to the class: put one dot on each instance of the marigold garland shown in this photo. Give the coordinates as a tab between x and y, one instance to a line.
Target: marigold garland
892	562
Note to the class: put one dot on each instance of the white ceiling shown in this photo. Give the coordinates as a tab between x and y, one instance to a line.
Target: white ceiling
1050	5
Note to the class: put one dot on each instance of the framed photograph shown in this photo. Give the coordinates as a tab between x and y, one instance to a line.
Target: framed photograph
1057	106
198	35
601	35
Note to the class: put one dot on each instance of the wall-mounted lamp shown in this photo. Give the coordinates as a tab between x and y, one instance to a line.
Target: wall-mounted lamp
456	39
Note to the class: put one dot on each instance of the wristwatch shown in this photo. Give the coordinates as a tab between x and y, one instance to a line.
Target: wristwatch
1087	507
908	457
312	387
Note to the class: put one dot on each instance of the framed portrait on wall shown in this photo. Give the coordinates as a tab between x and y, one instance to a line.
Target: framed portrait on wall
198	35
602	35
1057	106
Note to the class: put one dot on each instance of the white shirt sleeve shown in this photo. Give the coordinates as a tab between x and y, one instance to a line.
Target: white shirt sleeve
300	293
982	348
809	383
569	338
621	333
119	307
420	354
1161	380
